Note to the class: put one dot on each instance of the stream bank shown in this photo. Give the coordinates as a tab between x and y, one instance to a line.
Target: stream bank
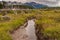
39	33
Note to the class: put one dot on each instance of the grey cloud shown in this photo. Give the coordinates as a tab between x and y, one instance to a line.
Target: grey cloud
50	2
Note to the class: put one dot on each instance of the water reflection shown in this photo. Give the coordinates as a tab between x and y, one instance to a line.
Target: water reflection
30	30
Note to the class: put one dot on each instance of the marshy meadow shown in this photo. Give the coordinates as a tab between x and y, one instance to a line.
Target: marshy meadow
47	23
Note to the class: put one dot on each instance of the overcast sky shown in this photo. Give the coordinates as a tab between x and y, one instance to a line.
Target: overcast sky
0	0
46	2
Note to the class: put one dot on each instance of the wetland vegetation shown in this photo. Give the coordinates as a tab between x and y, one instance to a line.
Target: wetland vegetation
47	23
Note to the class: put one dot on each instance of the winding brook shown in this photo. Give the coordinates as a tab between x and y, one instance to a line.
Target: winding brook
30	30
27	33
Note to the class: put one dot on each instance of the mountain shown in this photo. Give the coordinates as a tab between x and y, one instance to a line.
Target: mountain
27	5
36	5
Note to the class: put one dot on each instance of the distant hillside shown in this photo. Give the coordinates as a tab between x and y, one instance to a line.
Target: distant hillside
25	7
1	5
36	5
17	5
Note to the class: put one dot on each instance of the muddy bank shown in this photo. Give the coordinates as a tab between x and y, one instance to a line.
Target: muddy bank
39	33
41	36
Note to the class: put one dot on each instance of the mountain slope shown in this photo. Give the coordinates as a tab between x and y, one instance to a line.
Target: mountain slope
26	7
36	5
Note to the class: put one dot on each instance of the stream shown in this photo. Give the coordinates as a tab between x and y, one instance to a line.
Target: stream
26	33
30	30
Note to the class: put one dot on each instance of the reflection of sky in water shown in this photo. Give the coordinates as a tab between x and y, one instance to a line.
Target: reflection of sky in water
30	29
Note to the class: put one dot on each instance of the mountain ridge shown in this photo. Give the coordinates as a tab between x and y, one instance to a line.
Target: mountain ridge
36	5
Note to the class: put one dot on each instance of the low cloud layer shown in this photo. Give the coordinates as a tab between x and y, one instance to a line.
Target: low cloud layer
52	3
